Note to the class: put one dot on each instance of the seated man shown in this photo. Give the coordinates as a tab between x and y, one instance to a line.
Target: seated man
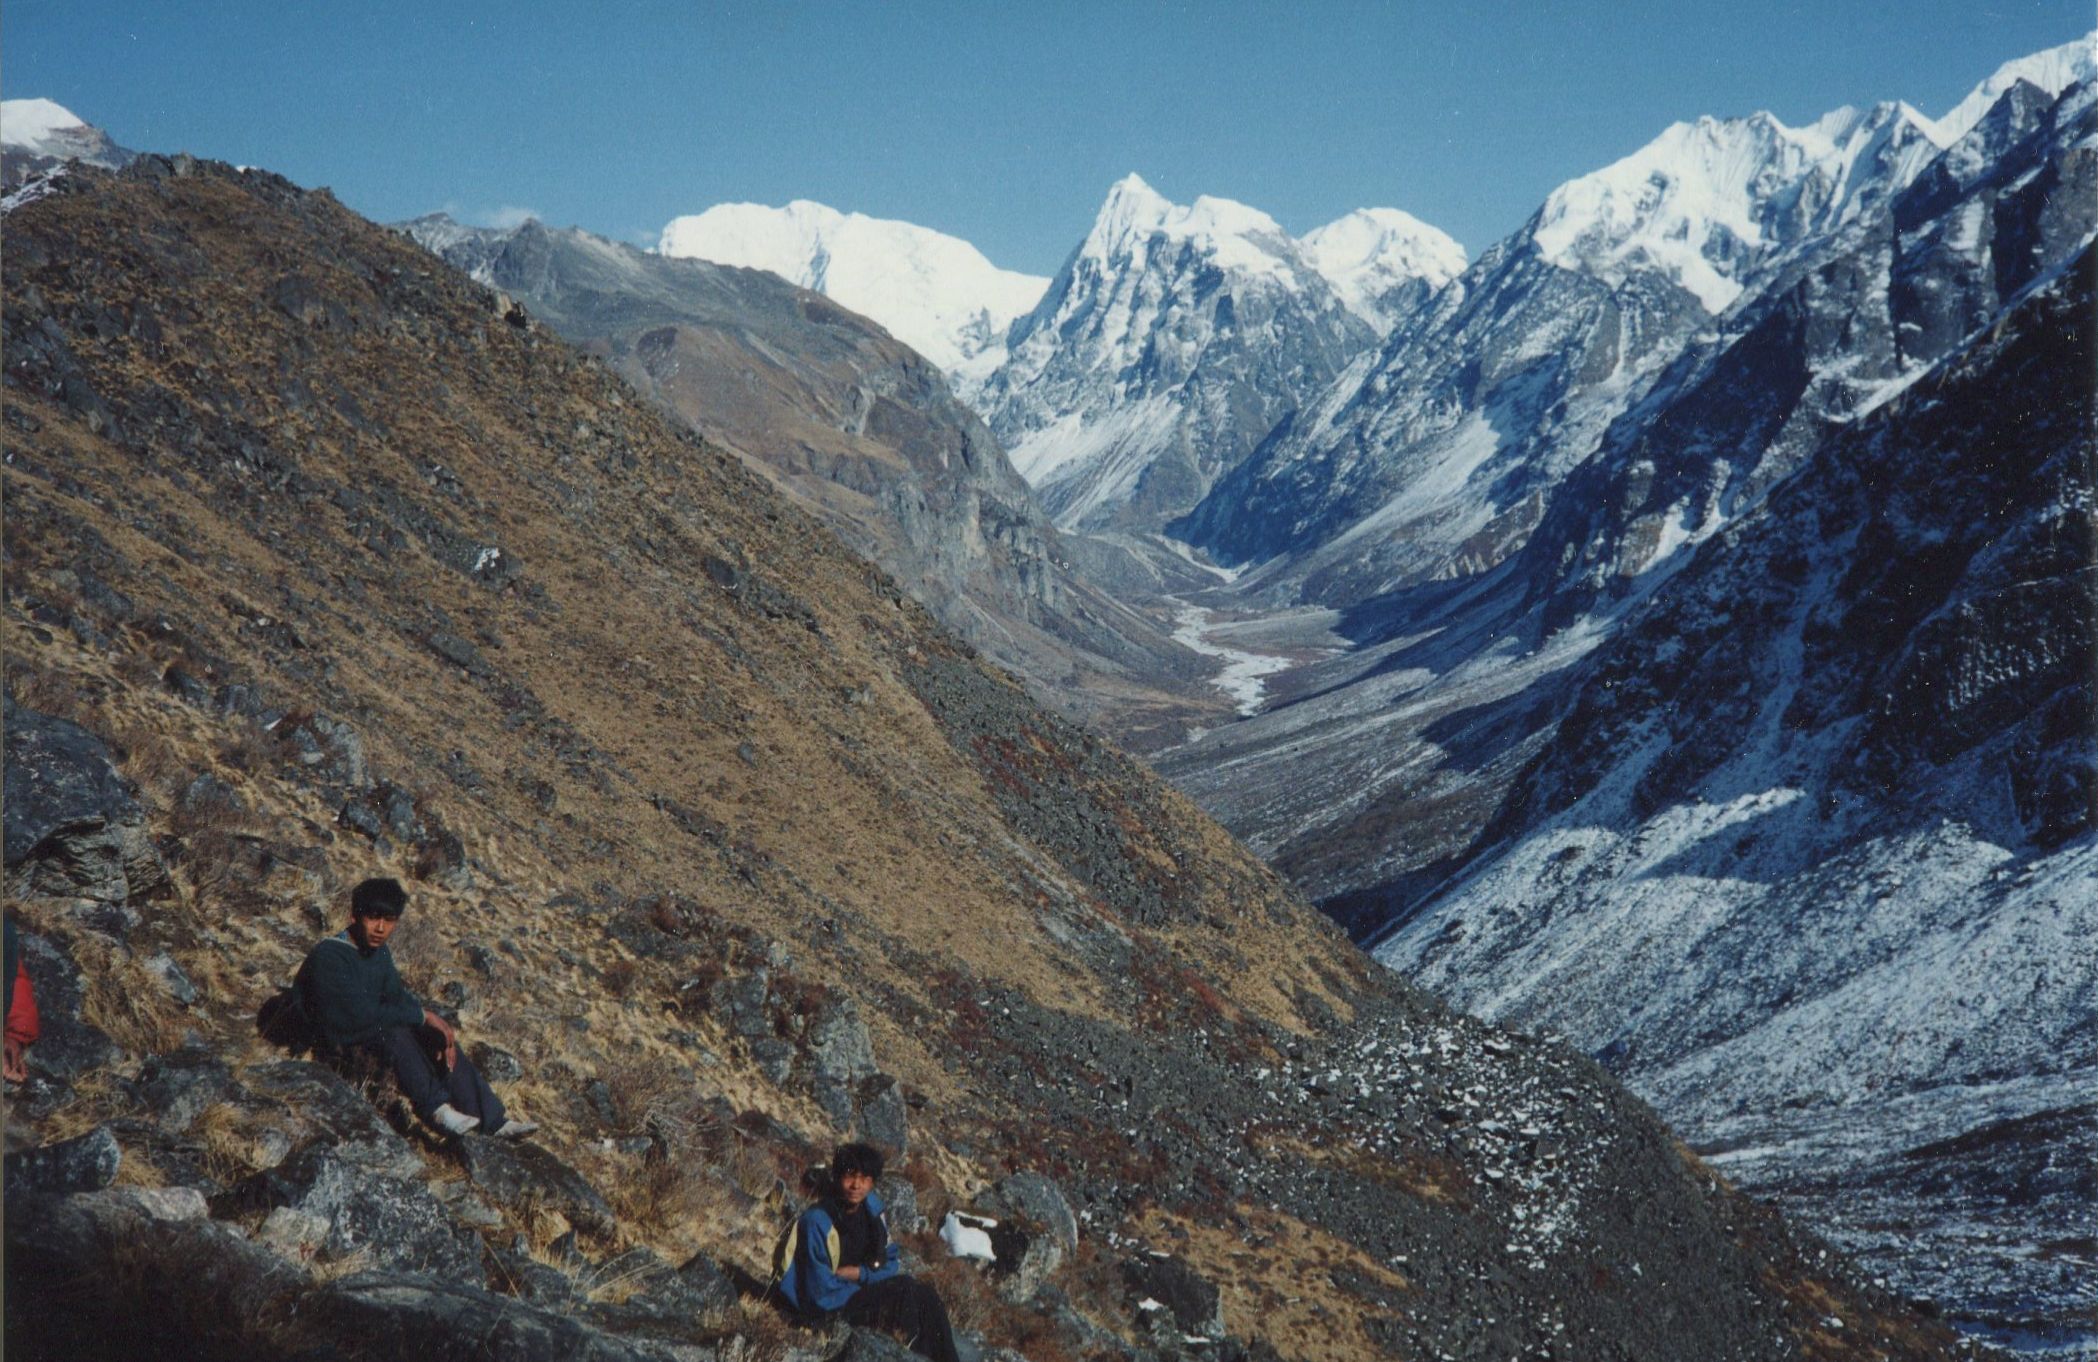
841	1262
352	994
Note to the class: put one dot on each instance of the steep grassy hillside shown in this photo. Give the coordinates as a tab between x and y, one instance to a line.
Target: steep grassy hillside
727	848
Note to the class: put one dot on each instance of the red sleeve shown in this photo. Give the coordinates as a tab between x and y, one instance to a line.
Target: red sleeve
22	1022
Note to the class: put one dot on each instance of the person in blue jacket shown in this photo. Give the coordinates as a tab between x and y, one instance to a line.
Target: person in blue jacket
840	1261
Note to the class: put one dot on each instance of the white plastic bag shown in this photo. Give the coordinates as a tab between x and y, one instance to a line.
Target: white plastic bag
965	1238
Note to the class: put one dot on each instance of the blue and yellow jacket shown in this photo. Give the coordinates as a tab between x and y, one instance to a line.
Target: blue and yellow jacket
807	1260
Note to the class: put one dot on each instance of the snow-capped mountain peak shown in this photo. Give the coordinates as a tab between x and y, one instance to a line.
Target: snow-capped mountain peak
2053	70
1708	201
935	293
1373	252
39	136
40	126
1132	206
1167	347
1135	218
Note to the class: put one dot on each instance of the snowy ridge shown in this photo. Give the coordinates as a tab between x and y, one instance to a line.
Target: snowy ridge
1707	202
1137	220
2053	71
935	293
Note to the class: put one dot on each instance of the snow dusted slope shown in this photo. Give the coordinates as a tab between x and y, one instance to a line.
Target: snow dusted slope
1165	350
1809	857
1383	263
935	293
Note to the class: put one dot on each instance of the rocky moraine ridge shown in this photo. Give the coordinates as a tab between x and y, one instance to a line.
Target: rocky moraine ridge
324	560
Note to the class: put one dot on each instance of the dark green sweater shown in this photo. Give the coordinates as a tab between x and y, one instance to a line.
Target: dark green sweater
351	993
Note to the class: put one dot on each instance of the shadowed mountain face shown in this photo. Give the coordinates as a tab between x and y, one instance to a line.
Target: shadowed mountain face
348	566
865	431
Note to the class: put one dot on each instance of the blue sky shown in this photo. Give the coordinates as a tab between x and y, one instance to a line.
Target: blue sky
1001	123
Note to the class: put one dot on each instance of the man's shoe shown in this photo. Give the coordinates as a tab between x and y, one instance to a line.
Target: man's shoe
514	1129
453	1121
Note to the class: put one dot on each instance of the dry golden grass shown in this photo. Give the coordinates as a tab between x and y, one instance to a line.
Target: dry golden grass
1286	1298
122	999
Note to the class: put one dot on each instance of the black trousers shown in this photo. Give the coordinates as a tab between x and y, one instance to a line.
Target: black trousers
909	1307
427	1087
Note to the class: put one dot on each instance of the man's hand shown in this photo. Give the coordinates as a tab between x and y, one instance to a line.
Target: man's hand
451	1037
16	1069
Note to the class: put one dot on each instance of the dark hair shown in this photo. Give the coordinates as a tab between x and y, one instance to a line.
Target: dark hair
378	898
856	1158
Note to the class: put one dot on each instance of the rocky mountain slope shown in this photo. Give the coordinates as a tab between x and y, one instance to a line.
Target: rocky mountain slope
1404	781
935	293
867	433
323	560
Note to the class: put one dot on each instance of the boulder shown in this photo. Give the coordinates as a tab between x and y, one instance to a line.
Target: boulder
176	1266
72	829
1033	1197
899	1200
773	1056
1025	1258
883	1119
1194	1303
394	1222
659	1299
525	1277
163	968
496	1065
81	1164
865	1345
178	1087
518	1175
324	1105
418	1319
163	1203
741	1000
840	1050
298	1235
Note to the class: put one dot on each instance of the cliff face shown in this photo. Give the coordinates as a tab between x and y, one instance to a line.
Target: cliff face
721	849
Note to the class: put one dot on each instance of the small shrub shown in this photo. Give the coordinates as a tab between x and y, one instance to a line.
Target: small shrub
620	977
